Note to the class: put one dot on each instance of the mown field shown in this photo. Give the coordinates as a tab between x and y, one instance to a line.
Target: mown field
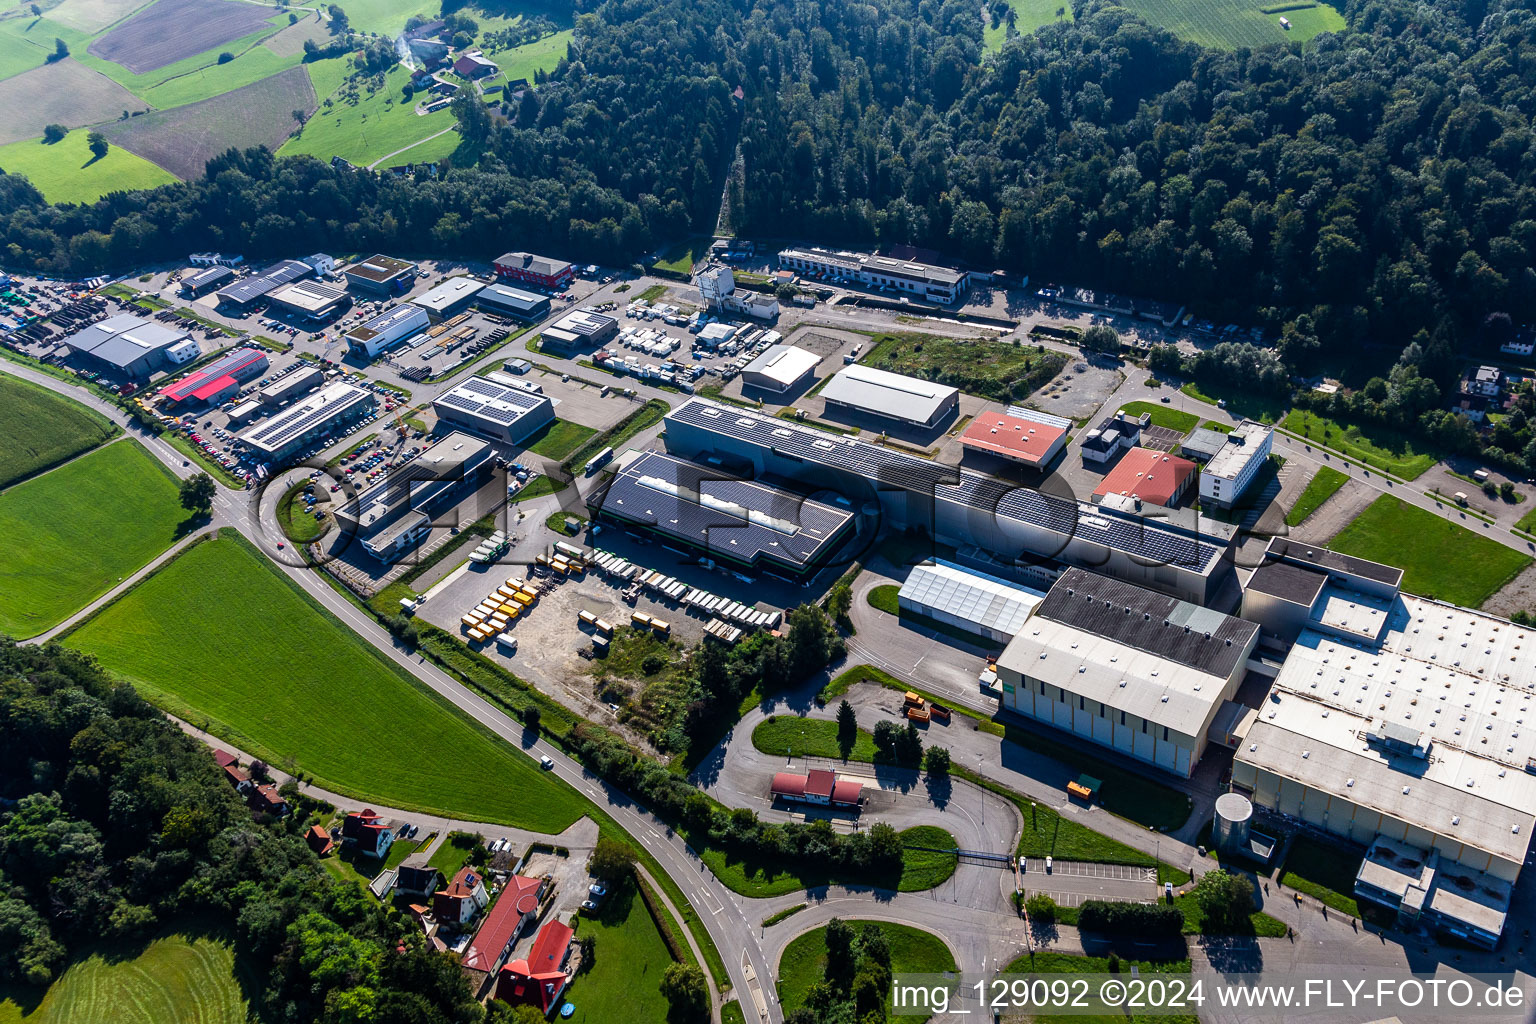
71	534
39	428
1376	447
624	983
1230	24
1028	16
1439	559
1318	490
67	171
172	30
93	15
176	979
540	55
65	92
219	636
376	125
1164	416
804	962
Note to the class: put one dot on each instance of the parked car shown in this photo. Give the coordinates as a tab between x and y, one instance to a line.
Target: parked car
597	889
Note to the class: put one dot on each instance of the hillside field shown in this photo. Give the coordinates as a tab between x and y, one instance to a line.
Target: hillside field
371	128
219	636
39	428
1230	24
67	172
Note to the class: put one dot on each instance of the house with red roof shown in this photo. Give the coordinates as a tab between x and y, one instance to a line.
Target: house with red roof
367	833
319	840
266	799
817	786
515	908
457	904
1148	476
540	979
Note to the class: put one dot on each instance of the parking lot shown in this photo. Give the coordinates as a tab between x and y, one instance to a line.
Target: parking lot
1070	883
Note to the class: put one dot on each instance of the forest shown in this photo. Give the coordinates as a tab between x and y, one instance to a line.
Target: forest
1377	181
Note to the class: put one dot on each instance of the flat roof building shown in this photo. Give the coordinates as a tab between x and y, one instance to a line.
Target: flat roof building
131	346
924	280
410	496
312	299
579	330
258	286
536	270
1229	472
892	396
498	411
450	298
1298	586
381	275
380	333
1148	476
780	368
332	408
218	381
513	302
204	281
967	600
742	523
1023	439
1126	668
1202	444
291	386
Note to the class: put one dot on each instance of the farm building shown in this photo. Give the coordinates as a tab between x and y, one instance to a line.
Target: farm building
539	980
535	270
515	909
1031	439
247	291
867	391
287	388
380	333
396	511
780	368
497	411
316	416
1148	476
967	599
219	381
513	302
475	65
450	298
817	786
204	281
311	299
1229	472
1126	668
130	346
580	329
922	280
741	523
381	275
958	506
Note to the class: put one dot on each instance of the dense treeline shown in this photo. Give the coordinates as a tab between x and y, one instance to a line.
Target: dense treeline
116	824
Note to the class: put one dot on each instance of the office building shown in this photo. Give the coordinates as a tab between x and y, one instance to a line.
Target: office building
513	302
131	347
580	330
781	368
381	275
249	290
450	298
1229	472
497	411
924	281
218	381
380	333
394	514
864	390
1113	437
540	271
311	299
1028	438
717	287
331	409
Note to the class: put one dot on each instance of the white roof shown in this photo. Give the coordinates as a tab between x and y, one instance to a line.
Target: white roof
1463	682
1244	443
783	364
973	596
449	292
886	393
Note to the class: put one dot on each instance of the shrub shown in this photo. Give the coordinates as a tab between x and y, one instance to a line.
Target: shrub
1116	918
1040	907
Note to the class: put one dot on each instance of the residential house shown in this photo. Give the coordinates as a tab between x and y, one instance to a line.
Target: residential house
1485	381
463	898
539	980
319	840
516	908
266	799
232	770
367	833
417	876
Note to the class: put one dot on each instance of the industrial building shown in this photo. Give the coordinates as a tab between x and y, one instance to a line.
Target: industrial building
1015	526
535	270
580	330
1113	437
204	281
291	386
965	599
1202	444
717	287
1126	668
864	390
334	407
1148	476
243	414
311	299
1397	722
739	523
218	381
450	298
1229	472
498	411
396	513
386	330
1029	438
780	368
249	290
381	275
131	346
513	302
923	280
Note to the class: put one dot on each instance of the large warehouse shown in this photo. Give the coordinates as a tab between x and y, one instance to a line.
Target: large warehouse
958	506
864	390
130	346
1126	668
218	381
381	275
498	411
968	600
513	302
391	516
450	298
535	270
579	330
291	386
1025	439
247	291
386	330
311	299
1148	476
332	408
201	282
780	368
739	523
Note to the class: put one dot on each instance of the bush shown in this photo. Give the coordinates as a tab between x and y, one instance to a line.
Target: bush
54	133
1040	907
1146	919
1225	900
226	57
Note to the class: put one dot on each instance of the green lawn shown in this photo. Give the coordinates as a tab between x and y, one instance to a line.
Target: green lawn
526	60
175	979
883	598
1439	559
1324	871
731	1013
1527	522
538	487
1374	446
913	951
1071	963
66	172
1321	487
39	428
808	737
220	637
1164	416
298	525
924	869
681	257
1229	24
452	852
71	534
624	982
377	125
387	17
1028	16
559	439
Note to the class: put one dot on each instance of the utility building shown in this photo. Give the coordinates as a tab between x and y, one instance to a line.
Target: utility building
969	600
219	381
381	275
291	386
580	330
312	299
780	368
450	298
1028	438
247	291
194	285
396	513
513	302
131	347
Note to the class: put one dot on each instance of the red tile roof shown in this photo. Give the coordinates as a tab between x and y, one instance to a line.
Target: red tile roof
236	777
1150	475
819	782
538	980
518	898
788	784
319	840
225	758
847	792
1011	436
